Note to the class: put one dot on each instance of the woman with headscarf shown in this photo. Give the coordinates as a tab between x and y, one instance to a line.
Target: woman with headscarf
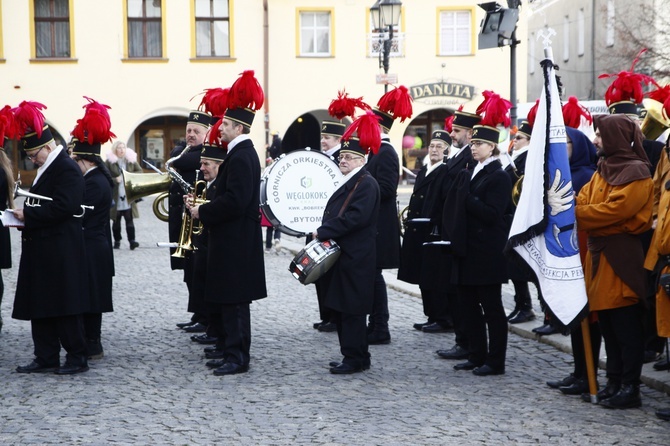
614	208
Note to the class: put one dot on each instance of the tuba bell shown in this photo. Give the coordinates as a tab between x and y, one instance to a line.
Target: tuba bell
656	121
140	185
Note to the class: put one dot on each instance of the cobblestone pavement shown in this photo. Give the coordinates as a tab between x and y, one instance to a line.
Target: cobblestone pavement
152	386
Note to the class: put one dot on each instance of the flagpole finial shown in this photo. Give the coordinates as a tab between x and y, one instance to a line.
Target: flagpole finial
546	35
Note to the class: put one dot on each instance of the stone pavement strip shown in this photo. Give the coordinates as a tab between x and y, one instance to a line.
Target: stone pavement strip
152	386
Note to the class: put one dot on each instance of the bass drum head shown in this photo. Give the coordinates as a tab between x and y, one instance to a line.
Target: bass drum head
295	189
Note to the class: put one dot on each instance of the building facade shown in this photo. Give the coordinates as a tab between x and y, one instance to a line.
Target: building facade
150	61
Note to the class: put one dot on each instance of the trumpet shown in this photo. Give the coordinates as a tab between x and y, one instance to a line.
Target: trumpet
200	199
188	225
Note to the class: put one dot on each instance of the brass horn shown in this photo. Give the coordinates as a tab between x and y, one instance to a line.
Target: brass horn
655	123
140	185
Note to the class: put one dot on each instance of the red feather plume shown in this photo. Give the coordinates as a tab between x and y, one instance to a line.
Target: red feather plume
28	117
345	106
95	126
494	110
662	95
532	113
215	101
397	103
449	121
573	112
367	129
628	85
213	135
246	92
7	124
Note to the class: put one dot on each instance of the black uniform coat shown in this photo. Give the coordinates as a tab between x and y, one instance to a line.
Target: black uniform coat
98	240
513	270
384	167
187	165
5	242
476	227
349	284
235	265
53	269
421	204
196	296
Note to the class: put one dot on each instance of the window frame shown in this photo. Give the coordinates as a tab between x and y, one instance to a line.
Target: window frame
33	35
566	38
331	31
194	36
438	31
610	18
126	40
581	33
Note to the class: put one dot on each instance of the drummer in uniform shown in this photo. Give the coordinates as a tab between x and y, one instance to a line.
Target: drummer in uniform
187	163
331	135
350	218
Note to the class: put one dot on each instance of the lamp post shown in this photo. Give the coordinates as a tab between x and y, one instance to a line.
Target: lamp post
386	13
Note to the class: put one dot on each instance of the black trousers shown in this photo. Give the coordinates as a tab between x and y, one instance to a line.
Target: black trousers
235	333
130	225
624	342
49	334
578	353
92	325
521	295
436	306
482	309
352	334
379	319
326	314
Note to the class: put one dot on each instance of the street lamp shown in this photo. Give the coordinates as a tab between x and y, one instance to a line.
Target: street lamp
386	13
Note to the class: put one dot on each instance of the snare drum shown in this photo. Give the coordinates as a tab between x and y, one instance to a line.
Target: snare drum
295	190
314	260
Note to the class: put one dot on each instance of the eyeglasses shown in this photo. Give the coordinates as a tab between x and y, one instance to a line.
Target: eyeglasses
34	155
348	157
519	137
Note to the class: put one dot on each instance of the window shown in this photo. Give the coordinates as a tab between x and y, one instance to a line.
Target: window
455	34
580	32
315	33
609	36
531	54
145	28
566	38
212	28
52	29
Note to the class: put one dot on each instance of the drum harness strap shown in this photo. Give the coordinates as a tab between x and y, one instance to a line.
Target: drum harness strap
346	202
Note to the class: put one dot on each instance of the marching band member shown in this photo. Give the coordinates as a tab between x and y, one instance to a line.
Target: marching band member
235	265
52	252
350	219
88	135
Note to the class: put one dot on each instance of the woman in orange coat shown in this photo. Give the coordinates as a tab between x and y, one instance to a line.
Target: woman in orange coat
614	208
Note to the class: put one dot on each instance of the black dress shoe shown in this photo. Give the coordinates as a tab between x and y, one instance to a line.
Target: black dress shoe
522	316
216	354
328	327
436	328
379	337
487	370
134	245
513	313
663	414
185	324
117	245
210	349
345	369
36	367
334	363
567	381
204	339
317	324
455	352
576	388
651	356
196	328
663	364
71	369
545	330
609	391
467	365
627	397
215	363
230	368
419	326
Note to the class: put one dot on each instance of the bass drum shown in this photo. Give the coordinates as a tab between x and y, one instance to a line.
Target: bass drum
295	189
